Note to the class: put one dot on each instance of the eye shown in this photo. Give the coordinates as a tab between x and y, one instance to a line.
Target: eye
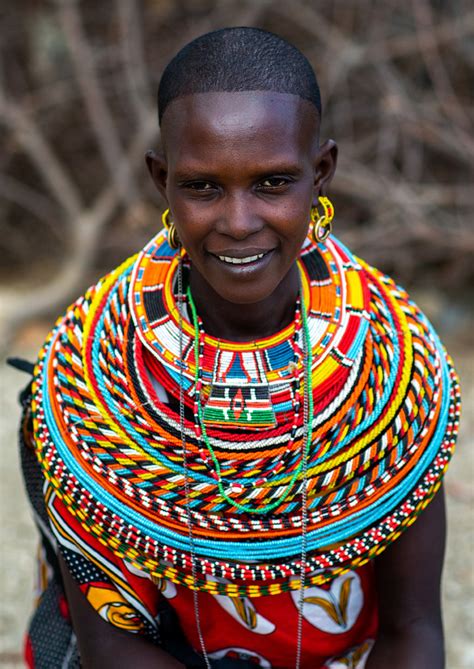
274	183
199	186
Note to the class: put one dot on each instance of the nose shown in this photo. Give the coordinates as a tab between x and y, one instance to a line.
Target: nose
238	218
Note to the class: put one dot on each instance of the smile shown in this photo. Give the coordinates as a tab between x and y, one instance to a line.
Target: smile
241	261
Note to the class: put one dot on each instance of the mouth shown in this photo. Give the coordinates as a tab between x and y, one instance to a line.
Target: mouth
234	259
241	261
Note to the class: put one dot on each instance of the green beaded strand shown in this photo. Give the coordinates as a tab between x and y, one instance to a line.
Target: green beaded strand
308	362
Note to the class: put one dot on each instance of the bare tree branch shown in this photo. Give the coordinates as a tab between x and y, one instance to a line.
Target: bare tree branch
132	56
102	121
86	229
35	203
444	90
401	164
42	155
450	30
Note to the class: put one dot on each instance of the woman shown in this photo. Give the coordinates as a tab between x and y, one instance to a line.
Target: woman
237	426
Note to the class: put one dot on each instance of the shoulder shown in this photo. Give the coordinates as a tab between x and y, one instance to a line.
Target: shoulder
80	315
396	316
63	388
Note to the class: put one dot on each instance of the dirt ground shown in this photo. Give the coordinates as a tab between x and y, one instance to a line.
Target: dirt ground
18	540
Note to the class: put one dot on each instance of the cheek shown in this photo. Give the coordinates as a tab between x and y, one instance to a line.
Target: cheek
294	212
191	222
289	218
294	225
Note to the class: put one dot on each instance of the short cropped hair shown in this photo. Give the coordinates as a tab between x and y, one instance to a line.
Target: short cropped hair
238	59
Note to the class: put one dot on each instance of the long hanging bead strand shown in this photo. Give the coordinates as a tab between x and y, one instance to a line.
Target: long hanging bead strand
202	432
297	356
199	361
197	616
308	425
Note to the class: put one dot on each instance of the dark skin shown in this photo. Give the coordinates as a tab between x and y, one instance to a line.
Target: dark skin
103	646
240	172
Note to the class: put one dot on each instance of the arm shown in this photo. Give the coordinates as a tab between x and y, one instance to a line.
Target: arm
408	577
103	646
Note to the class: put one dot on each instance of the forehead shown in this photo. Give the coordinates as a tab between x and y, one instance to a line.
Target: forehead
235	123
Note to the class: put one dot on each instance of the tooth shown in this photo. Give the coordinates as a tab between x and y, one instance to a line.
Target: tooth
241	261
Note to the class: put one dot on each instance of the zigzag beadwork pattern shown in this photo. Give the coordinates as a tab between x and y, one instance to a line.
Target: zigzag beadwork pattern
386	409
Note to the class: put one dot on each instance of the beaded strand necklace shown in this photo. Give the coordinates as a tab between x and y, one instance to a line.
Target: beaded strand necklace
308	410
201	432
197	616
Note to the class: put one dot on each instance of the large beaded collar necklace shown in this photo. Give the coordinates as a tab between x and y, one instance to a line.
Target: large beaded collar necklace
385	407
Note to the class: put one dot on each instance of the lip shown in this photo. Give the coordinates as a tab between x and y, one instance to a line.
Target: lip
240	253
244	268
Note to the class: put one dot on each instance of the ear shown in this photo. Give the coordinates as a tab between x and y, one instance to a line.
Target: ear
158	171
324	167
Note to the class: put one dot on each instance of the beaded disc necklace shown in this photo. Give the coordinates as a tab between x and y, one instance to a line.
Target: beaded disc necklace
385	408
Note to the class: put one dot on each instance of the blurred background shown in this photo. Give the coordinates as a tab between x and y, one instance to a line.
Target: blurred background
77	113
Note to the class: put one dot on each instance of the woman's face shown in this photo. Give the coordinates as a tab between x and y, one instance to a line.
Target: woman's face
240	172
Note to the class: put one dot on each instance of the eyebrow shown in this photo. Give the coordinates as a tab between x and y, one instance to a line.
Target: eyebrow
258	173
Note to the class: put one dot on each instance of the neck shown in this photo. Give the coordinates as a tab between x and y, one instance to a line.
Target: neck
245	322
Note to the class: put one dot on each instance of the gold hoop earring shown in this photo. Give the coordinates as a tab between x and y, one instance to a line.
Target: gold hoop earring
173	239
322	227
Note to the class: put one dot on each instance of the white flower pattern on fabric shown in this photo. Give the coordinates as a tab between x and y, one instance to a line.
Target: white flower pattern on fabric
334	608
354	659
165	586
243	610
241	654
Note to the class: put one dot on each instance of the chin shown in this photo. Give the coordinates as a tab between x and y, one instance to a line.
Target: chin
239	287
244	293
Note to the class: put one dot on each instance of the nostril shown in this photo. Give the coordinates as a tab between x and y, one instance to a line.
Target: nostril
239	227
